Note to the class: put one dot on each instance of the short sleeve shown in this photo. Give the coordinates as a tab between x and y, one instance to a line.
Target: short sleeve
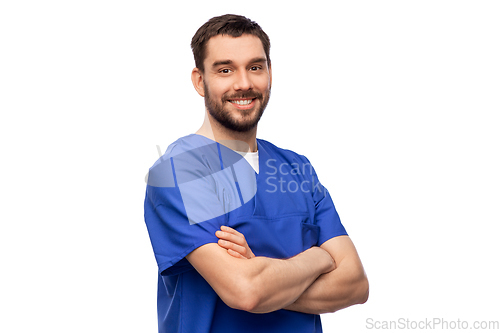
326	216
182	209
172	235
190	191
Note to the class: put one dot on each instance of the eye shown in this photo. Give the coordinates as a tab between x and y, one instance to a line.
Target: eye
255	68
225	71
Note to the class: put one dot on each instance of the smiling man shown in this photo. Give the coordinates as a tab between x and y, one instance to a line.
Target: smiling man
235	79
235	254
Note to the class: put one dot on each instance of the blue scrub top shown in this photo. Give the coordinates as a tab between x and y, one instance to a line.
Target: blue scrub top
199	185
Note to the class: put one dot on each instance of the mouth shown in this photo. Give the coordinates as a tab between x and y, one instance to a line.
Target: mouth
243	103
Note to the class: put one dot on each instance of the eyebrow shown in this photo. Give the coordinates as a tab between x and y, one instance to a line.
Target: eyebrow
222	62
228	62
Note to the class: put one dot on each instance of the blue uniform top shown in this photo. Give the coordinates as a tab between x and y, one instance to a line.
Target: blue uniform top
199	185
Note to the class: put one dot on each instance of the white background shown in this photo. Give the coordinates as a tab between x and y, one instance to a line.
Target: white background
394	102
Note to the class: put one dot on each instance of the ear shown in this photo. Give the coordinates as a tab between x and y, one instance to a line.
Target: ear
197	79
270	75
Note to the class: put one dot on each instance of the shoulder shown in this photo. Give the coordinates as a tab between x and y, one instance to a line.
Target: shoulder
282	153
188	160
187	144
187	157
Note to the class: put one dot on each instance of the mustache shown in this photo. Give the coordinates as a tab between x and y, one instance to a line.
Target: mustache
248	94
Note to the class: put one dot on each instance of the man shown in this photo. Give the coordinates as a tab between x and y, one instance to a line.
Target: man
245	236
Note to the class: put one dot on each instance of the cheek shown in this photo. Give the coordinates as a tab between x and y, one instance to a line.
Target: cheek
263	84
217	90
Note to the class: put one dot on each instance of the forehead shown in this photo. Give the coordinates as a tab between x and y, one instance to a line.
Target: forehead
236	49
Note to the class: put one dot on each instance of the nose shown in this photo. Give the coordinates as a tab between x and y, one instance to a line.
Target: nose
242	81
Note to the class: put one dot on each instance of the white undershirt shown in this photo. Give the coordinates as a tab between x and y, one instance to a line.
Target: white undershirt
252	159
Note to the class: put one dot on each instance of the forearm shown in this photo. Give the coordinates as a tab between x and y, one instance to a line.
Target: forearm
278	283
333	290
259	284
345	286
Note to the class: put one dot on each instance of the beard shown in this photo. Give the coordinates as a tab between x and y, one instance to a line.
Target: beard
224	117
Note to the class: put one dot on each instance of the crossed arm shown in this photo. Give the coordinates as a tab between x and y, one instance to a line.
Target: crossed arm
318	280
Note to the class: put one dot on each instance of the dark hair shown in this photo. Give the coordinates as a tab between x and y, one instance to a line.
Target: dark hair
229	24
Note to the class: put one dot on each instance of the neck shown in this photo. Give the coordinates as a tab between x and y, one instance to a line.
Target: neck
240	141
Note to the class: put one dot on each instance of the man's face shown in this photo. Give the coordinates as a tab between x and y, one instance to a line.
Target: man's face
237	81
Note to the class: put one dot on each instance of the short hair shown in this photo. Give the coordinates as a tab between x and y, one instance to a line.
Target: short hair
229	24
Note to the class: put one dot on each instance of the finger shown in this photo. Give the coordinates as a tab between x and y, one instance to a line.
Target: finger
230	230
250	254
237	239
230	245
234	247
235	254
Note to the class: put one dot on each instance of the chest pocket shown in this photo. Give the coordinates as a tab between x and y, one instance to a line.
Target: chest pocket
310	235
278	237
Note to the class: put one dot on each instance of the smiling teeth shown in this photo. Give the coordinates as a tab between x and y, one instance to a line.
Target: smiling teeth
242	102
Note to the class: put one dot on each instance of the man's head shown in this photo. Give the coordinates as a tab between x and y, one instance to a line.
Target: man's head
232	71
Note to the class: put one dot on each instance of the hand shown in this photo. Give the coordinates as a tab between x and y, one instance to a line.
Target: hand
234	242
